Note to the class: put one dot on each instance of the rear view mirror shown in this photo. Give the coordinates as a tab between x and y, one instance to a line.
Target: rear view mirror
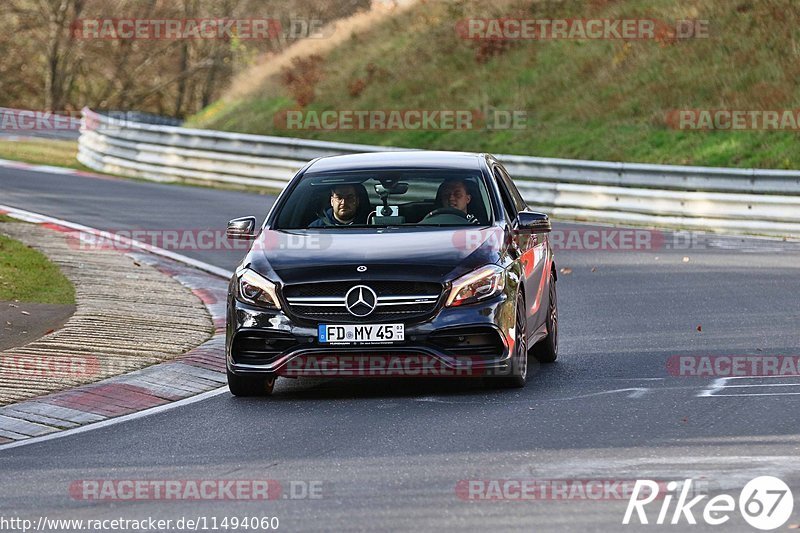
395	188
533	222
242	228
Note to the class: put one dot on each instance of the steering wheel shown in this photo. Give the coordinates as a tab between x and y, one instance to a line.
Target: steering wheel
447	211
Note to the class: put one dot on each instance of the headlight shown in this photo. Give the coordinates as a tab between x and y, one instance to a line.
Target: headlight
478	285
257	290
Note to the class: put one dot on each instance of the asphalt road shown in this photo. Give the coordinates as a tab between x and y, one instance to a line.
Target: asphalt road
390	454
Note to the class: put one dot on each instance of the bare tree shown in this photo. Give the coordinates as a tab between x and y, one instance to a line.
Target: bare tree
44	64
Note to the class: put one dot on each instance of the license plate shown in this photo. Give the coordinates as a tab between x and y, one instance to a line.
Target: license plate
348	333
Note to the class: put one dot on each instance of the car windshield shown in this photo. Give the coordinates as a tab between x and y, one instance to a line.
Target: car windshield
415	198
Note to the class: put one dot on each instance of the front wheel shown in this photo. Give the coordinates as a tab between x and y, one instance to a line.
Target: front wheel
257	385
546	350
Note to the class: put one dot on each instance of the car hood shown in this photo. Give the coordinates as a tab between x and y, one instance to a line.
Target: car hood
434	254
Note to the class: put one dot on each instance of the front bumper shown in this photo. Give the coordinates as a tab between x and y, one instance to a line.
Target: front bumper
469	340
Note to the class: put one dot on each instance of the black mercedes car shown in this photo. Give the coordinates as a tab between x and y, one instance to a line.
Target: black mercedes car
393	264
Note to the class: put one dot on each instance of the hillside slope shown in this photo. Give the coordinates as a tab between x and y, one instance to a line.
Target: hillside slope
590	99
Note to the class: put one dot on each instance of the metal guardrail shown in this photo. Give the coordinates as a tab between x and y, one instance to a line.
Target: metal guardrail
706	198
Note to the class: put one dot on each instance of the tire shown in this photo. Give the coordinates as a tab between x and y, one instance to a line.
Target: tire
251	385
546	350
519	363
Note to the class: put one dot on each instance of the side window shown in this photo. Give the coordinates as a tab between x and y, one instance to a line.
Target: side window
509	183
508	202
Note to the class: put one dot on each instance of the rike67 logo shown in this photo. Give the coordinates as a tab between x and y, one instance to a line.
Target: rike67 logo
765	503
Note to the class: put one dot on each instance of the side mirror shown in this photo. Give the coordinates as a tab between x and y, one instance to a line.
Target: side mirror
533	222
242	228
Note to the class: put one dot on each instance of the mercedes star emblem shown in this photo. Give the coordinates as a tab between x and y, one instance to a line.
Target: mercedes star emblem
362	268
361	300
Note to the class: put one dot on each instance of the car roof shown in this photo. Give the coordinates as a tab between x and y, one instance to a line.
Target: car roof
398	160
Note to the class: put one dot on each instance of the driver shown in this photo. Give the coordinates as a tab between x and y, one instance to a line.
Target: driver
343	210
453	193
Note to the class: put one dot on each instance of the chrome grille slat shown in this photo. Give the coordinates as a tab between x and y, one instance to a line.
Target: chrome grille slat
433	297
414	302
304	299
345	313
312	304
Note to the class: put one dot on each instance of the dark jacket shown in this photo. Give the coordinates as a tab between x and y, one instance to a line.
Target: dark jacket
327	219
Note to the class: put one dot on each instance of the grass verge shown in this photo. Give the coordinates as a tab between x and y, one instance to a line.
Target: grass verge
57	153
28	276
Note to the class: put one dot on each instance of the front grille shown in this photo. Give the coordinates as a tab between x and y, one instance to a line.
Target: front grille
261	347
397	301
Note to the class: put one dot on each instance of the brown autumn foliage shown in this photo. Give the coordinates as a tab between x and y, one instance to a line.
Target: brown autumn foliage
302	77
356	87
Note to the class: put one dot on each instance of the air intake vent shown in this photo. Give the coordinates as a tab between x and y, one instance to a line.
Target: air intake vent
261	347
473	341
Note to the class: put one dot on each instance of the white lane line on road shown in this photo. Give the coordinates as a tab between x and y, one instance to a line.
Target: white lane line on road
723	384
30	216
763	385
716	385
757	394
118	420
434	399
635	392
